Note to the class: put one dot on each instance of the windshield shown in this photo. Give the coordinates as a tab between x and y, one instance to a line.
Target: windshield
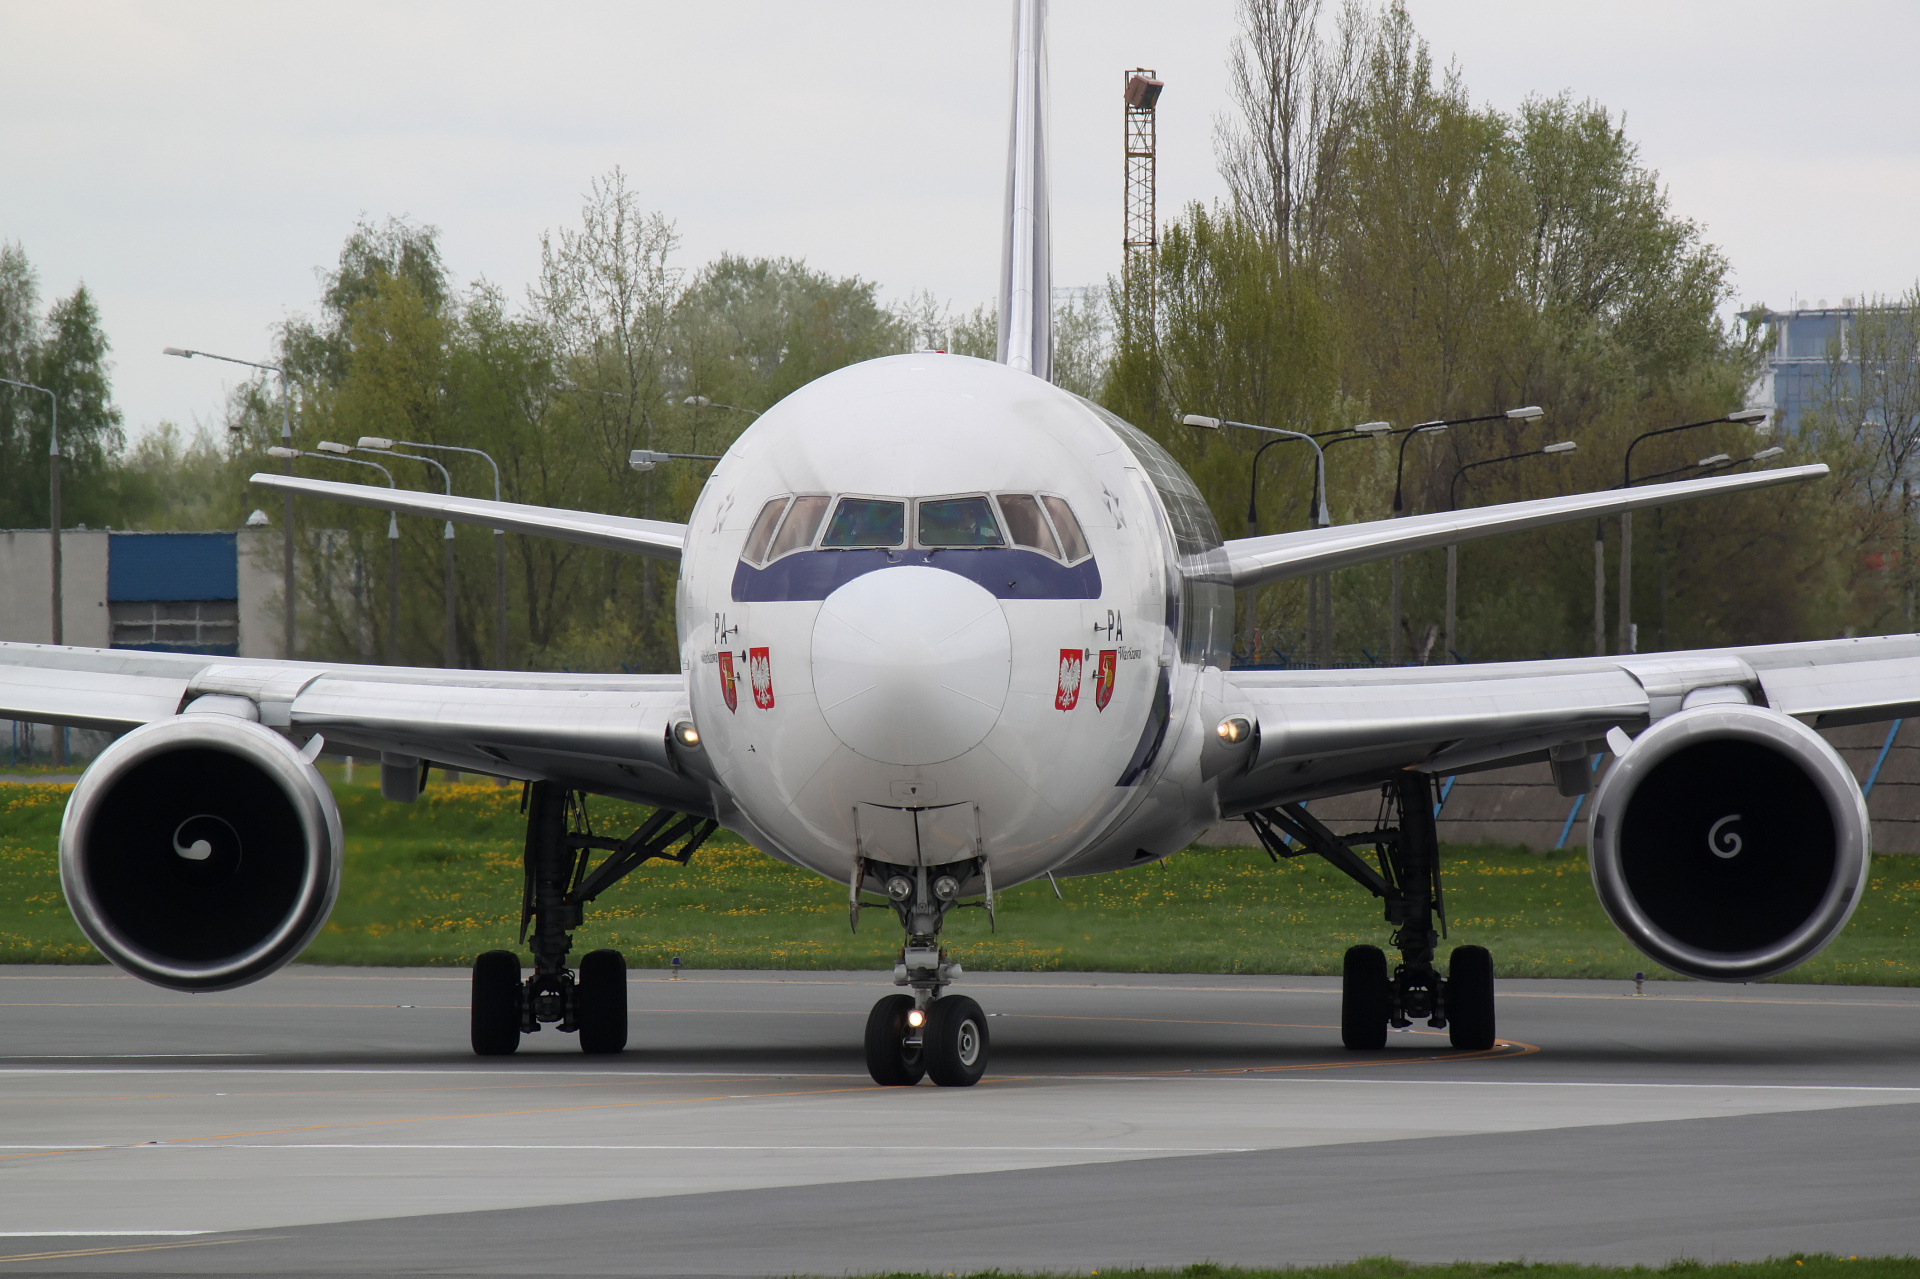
958	521
865	521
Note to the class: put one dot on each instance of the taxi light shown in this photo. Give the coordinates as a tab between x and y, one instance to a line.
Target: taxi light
916	1018
1234	729
946	888
686	734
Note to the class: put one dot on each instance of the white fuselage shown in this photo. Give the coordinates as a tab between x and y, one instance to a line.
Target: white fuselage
872	675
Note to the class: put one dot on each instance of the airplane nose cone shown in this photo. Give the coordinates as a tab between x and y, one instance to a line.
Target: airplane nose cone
911	665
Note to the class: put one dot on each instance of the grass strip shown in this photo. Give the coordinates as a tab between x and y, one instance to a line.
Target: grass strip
438	881
1793	1266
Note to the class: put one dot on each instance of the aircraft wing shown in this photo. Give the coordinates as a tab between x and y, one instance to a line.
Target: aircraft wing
604	733
1257	561
1327	732
658	538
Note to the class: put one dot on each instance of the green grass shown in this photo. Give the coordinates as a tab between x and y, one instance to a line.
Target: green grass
1793	1266
438	881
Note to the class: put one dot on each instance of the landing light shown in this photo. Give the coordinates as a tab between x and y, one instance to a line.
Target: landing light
946	888
899	888
686	734
1234	729
916	1018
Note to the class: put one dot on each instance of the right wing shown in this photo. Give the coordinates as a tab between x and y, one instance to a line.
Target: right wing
609	734
658	538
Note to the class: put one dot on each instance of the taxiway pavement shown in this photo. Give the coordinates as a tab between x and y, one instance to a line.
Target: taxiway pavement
331	1121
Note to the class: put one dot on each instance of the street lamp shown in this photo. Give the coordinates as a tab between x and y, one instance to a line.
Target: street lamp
701	401
381	444
1744	417
452	658
1525	414
647	459
286	441
53	534
1453	504
393	542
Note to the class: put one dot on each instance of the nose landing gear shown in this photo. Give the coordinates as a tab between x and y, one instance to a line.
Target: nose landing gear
1371	998
925	1034
559	884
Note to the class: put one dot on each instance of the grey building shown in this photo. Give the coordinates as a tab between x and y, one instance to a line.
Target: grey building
1798	366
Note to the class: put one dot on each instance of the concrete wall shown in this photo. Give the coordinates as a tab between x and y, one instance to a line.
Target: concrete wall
1520	805
262	624
26	586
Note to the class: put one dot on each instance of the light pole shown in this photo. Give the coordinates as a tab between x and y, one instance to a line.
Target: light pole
286	441
53	534
393	545
1453	504
381	444
1320	516
452	657
1526	414
1742	417
1717	462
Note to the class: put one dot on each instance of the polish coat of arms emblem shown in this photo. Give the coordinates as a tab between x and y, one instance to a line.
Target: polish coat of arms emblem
1103	679
1068	695
729	682
760	672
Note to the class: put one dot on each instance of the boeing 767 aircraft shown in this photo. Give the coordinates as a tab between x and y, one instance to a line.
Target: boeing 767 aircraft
945	628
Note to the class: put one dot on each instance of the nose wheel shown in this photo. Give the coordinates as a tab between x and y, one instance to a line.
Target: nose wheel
946	1041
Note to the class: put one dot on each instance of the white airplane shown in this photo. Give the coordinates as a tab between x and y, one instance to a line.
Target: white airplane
945	628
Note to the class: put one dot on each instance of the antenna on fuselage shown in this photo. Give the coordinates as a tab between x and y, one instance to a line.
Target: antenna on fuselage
1026	269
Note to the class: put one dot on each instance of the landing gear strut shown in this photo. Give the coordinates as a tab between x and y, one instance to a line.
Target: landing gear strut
925	1034
1408	880
559	884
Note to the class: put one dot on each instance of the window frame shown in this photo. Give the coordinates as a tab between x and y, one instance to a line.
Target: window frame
993	508
826	522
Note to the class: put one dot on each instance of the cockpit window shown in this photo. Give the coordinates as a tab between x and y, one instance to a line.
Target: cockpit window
865	521
802	522
957	521
762	535
1072	540
1027	525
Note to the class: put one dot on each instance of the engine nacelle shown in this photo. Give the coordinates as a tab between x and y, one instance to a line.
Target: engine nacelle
1729	843
201	852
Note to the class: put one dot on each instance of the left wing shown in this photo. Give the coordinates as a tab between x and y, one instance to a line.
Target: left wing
1328	732
1257	561
610	734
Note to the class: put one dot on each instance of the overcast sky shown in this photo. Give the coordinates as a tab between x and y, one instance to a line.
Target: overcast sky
194	163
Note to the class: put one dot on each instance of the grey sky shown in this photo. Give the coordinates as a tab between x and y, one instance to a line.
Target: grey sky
195	163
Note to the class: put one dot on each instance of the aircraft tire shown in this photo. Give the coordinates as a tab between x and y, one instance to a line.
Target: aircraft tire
891	1060
600	1002
496	1003
1364	998
956	1044
1470	998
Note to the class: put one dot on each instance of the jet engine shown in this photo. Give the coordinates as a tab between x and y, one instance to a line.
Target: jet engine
1729	842
201	852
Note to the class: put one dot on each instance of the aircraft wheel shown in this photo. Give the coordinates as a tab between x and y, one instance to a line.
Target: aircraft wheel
496	1003
956	1042
892	1060
1364	998
1469	998
600	1002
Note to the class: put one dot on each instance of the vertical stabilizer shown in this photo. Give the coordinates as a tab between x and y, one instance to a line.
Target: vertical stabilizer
1026	269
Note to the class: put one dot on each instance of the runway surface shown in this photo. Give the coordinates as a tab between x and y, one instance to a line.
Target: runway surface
331	1121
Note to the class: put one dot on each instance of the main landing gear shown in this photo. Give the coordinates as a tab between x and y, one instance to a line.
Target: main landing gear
925	1034
559	883
1408	880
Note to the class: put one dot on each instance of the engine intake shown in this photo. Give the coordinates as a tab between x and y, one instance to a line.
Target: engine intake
201	852
1729	843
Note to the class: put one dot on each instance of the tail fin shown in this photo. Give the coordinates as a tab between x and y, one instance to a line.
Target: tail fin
1026	269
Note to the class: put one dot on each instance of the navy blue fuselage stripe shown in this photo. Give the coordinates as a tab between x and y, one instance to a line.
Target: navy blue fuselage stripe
1010	574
